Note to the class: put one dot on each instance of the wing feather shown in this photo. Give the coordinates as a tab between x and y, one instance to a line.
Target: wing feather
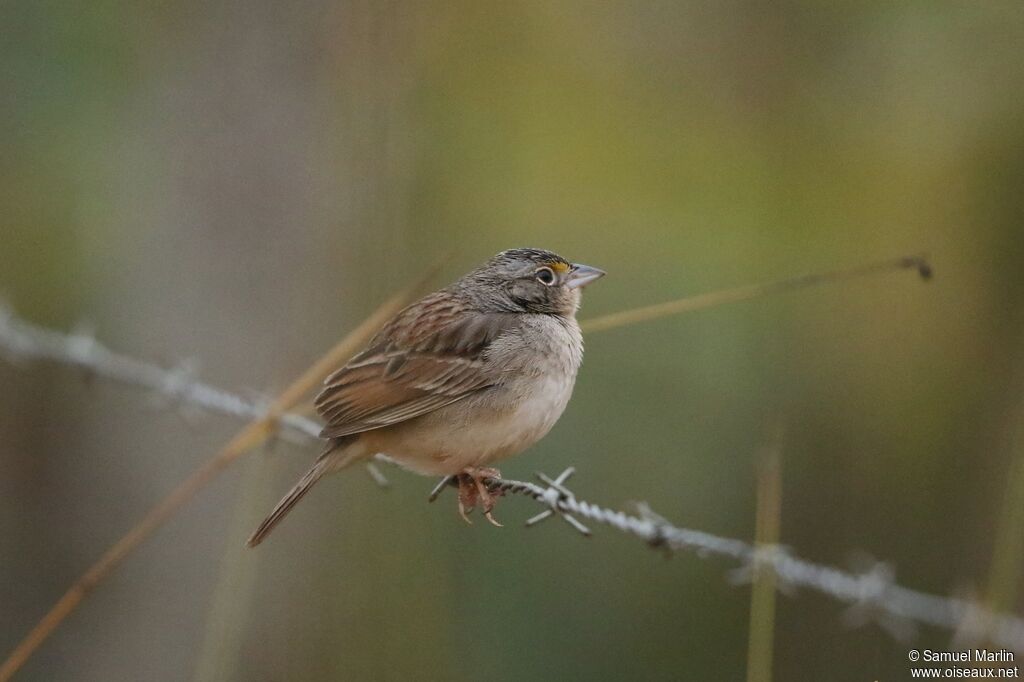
430	355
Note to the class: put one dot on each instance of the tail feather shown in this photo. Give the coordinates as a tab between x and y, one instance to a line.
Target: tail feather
328	462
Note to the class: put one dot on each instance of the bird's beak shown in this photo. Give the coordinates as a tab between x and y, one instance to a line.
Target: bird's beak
582	275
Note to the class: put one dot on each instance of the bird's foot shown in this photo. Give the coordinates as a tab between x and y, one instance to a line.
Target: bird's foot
473	490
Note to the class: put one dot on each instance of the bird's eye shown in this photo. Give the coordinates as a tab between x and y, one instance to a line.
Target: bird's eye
545	276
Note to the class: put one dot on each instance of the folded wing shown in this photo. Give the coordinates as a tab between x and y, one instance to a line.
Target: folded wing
431	355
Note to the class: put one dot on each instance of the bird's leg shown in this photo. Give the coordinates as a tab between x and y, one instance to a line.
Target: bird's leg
473	489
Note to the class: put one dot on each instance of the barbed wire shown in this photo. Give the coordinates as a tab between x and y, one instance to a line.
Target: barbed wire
872	595
20	340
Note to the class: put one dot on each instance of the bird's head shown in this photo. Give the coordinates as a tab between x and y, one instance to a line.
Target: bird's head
530	281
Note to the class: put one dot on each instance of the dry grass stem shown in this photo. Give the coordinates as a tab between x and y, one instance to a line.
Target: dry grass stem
248	438
1008	547
766	537
744	293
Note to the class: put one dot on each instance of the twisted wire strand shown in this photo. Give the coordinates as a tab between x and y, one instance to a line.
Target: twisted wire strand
21	340
872	595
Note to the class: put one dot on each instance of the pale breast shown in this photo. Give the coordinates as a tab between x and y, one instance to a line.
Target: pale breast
538	365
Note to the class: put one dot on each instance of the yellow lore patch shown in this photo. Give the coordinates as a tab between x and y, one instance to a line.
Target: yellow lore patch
559	267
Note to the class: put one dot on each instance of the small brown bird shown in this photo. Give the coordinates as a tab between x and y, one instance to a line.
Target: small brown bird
464	377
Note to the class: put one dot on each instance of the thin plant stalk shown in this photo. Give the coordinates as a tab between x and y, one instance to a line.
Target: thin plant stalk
762	597
690	304
232	597
254	434
1005	573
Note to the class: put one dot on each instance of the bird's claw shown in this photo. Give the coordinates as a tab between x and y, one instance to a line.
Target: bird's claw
472	490
464	513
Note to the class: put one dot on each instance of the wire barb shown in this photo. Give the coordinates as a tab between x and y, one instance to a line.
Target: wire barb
658	537
439	488
875	586
377	475
554	497
764	558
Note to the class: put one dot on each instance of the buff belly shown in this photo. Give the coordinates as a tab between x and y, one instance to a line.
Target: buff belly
477	431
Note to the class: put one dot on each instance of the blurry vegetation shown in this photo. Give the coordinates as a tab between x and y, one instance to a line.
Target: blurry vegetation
242	183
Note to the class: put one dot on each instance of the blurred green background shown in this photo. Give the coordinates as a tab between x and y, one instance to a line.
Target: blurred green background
241	183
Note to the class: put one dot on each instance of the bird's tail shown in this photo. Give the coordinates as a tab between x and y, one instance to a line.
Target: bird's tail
331	460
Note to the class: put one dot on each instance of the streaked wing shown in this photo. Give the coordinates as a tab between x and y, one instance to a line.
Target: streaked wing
429	356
